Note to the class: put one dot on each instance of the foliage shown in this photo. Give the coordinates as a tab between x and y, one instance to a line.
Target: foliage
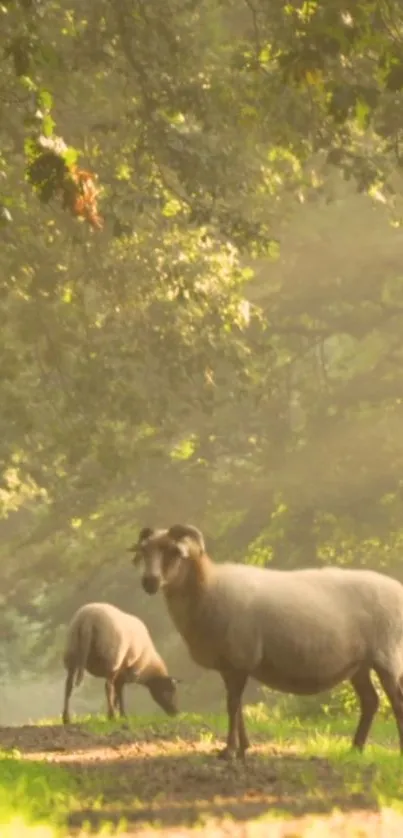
139	381
338	704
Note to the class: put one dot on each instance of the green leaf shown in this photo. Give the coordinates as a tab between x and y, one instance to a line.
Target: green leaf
362	114
45	100
70	156
171	208
48	125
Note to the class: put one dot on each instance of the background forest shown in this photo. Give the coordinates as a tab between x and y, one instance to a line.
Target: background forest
201	302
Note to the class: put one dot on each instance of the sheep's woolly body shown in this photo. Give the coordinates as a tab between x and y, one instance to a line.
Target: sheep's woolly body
298	631
104	640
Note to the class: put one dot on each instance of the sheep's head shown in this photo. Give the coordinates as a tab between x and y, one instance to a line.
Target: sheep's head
162	688
165	554
164	692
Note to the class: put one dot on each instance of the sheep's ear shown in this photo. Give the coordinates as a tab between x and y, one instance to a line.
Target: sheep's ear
144	535
136	557
181	531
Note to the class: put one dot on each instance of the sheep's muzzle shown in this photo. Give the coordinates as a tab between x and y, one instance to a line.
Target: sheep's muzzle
150	584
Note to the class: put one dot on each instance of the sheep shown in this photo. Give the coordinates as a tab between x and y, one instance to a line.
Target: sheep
111	644
296	631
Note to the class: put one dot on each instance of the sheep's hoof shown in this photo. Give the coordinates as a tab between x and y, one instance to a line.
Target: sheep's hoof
356	749
226	754
66	719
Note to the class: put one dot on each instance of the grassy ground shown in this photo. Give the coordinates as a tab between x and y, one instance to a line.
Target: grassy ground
299	779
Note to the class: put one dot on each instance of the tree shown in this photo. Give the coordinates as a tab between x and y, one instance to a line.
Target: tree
137	379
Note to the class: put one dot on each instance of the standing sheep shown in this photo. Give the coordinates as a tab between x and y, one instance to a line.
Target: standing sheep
111	644
298	631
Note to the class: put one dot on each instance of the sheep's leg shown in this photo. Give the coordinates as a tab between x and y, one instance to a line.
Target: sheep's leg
369	703
235	684
68	689
110	697
119	703
243	736
393	687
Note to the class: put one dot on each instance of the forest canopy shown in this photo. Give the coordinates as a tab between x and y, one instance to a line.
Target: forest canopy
149	155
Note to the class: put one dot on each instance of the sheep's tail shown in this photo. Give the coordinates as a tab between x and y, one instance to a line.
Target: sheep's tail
83	649
76	654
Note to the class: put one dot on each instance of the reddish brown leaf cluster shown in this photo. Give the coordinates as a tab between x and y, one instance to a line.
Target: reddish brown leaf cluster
52	177
80	194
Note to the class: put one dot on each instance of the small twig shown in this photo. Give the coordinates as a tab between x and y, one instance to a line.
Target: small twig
254	14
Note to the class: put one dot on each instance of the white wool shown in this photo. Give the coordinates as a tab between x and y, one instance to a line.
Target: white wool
113	640
299	631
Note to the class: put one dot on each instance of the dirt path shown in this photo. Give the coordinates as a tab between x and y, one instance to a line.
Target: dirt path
175	784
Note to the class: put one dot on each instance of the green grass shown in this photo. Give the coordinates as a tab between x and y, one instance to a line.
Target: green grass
168	774
34	797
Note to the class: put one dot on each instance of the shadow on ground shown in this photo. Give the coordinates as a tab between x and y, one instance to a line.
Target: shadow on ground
144	777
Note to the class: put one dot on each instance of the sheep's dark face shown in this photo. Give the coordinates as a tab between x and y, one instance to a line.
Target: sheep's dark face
165	555
162	562
164	692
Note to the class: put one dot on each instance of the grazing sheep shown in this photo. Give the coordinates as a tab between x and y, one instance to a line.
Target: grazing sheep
296	631
111	644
